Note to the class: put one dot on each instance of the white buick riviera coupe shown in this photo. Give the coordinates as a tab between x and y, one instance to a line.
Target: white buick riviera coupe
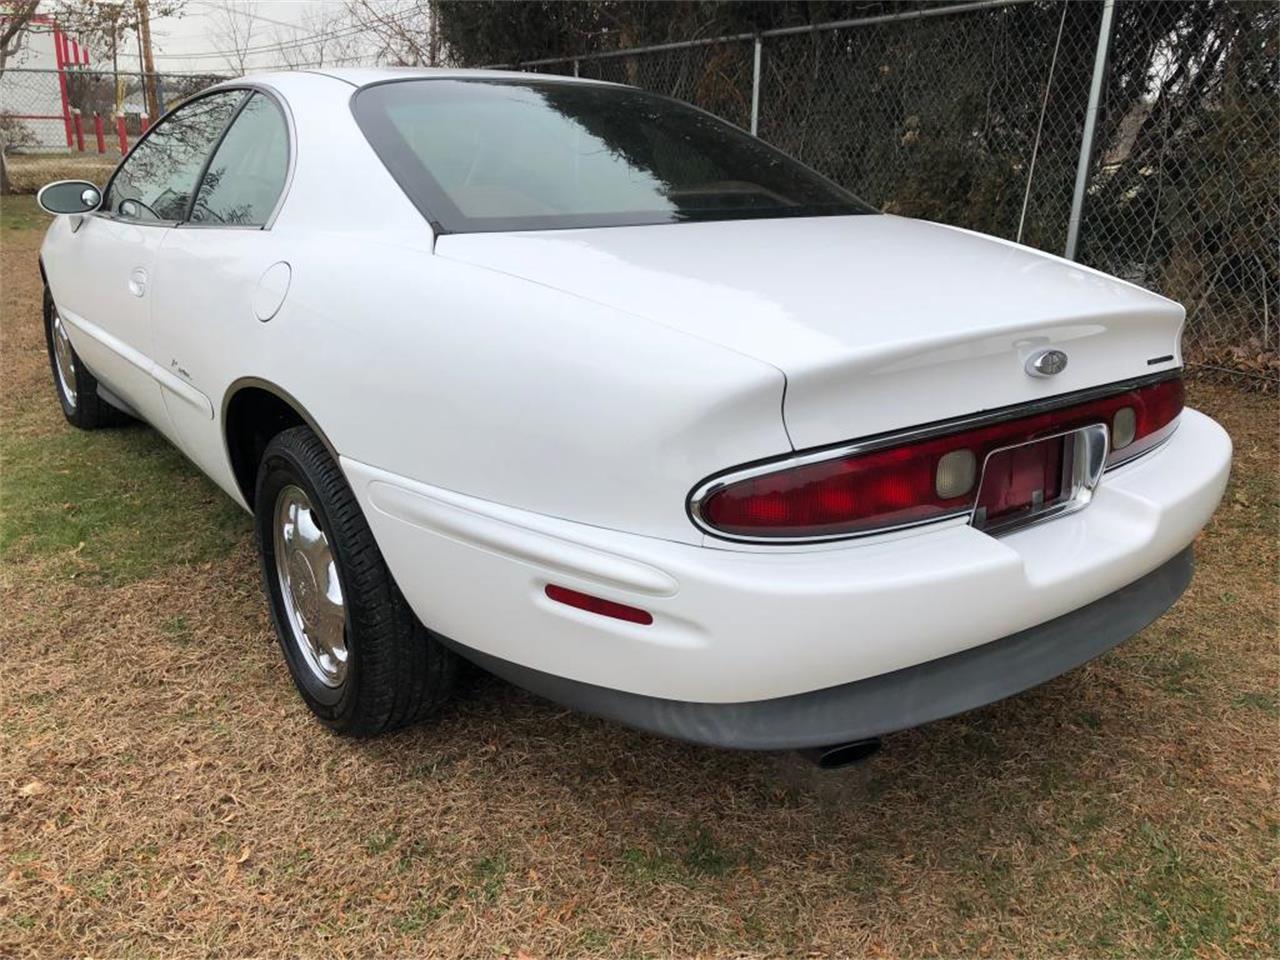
595	390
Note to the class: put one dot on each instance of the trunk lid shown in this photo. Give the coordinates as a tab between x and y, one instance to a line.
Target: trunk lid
877	322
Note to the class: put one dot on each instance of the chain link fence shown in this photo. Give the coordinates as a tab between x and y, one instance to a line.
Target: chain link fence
1184	194
974	114
76	122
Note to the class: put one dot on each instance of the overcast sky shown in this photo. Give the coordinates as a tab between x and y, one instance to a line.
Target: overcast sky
196	40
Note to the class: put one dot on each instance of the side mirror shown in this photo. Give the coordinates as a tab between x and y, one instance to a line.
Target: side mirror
69	197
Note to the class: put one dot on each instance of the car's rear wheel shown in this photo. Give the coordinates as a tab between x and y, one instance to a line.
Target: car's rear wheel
76	387
359	657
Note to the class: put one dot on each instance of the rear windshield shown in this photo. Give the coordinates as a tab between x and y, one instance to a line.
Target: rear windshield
479	155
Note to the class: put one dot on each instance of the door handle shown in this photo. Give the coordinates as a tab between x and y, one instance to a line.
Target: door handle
138	282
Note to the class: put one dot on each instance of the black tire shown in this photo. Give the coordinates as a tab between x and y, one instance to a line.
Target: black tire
396	671
85	409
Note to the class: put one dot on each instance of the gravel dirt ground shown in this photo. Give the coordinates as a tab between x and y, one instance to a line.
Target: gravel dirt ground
163	791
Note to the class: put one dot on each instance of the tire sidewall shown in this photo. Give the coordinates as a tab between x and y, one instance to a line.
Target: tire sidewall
279	469
69	409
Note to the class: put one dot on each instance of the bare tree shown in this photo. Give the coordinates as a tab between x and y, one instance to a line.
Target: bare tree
14	27
233	31
106	26
99	24
13	30
323	36
400	30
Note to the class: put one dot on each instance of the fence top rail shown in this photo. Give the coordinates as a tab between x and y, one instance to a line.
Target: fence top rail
96	71
931	11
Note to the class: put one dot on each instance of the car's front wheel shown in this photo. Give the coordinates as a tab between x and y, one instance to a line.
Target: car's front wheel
76	387
359	657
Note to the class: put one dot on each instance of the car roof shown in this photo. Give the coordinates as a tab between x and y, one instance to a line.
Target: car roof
364	76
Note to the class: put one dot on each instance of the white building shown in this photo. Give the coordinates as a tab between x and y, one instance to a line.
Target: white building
34	89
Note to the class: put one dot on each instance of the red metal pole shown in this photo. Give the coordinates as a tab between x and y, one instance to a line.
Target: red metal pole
60	57
97	129
122	131
143	122
79	132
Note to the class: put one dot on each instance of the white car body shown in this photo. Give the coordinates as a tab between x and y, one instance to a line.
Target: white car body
518	409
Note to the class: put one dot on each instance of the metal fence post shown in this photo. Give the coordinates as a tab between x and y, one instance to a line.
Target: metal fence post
1090	128
755	89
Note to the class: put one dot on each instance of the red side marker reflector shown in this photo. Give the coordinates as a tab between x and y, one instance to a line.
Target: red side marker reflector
606	608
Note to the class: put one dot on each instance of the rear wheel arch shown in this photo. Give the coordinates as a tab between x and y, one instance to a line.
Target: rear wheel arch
253	412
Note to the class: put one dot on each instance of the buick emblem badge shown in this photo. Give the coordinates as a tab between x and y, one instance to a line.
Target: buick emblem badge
1046	363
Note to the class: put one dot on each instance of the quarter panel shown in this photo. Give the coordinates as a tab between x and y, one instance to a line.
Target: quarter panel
509	391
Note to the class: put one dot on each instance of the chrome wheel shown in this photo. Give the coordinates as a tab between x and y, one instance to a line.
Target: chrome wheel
64	360
309	587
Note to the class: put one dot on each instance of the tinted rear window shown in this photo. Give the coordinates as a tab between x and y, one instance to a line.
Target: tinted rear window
511	155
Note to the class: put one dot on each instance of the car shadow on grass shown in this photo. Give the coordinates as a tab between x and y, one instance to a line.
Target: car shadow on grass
1042	738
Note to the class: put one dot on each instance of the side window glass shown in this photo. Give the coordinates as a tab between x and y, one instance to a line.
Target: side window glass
248	170
156	182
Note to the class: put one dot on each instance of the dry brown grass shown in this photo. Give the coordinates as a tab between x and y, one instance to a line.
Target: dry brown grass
163	791
28	172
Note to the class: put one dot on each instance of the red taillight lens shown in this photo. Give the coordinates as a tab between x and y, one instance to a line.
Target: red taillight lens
1155	408
883	488
911	482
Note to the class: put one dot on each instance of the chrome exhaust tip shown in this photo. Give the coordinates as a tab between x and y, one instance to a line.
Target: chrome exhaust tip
840	755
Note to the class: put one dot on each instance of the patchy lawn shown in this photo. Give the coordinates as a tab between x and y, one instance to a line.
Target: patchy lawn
28	172
163	790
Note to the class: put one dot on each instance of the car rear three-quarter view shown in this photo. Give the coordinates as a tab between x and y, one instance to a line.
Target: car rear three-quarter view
613	399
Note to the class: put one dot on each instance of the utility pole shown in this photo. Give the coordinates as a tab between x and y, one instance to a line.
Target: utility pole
148	62
1084	165
433	34
115	61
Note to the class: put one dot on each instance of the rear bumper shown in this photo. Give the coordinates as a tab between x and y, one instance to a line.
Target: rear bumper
892	701
739	625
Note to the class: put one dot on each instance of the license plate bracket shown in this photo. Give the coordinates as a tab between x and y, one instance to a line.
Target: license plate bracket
1030	482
